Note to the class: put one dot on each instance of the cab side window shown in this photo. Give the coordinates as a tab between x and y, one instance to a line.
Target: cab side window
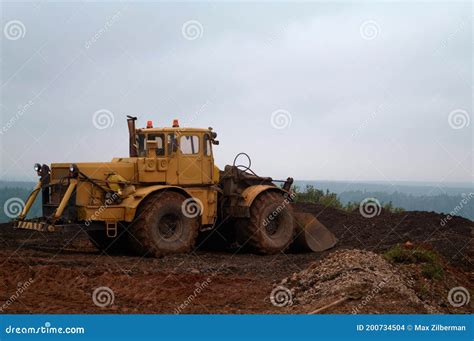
189	144
207	145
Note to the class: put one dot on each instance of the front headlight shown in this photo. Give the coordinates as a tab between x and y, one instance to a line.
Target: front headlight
37	167
73	171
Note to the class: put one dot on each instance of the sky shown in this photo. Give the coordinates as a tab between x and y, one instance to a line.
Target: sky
353	91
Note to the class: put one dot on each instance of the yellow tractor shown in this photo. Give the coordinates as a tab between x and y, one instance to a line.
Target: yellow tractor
166	193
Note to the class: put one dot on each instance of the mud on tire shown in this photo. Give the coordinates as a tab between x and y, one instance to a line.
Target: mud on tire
161	228
270	228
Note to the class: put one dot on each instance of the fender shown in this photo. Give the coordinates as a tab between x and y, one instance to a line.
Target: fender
252	192
131	203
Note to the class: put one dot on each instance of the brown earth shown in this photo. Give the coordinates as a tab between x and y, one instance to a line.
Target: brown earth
58	273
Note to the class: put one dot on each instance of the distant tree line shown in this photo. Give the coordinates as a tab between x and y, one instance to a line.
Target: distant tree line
441	203
393	202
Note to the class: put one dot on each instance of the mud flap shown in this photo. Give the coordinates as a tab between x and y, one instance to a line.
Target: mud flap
311	234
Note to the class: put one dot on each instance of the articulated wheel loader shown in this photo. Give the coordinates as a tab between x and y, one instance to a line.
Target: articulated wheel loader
166	193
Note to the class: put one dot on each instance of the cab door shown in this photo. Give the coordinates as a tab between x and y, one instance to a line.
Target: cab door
207	160
172	173
190	159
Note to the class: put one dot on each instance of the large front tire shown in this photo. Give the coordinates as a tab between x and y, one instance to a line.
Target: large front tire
161	228
271	227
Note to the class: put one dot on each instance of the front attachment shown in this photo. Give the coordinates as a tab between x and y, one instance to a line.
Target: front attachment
311	234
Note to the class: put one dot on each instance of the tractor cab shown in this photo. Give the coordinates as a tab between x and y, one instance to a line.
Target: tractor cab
173	155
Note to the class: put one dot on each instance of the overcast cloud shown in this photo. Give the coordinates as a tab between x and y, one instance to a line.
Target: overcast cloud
360	91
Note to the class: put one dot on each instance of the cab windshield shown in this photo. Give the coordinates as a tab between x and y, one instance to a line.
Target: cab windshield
142	144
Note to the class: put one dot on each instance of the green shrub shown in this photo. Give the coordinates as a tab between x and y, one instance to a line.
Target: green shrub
432	267
314	195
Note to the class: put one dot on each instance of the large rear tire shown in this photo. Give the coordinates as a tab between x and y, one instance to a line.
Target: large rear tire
161	228
270	228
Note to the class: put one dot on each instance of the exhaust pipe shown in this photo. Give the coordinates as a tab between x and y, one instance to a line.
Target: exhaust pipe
133	136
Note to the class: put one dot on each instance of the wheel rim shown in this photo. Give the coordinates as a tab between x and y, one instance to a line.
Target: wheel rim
170	227
273	225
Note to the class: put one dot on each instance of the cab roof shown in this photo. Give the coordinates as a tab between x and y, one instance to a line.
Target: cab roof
173	129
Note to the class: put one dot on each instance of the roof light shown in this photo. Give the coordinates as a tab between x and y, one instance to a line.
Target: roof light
149	124
175	123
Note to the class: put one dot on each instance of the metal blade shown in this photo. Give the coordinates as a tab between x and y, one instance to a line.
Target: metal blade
312	235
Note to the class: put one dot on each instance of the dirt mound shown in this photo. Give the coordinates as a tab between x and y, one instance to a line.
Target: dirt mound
452	238
37	267
363	277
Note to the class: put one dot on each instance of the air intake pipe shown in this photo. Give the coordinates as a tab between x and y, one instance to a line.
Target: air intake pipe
133	136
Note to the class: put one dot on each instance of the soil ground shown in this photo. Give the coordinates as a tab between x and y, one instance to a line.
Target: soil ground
58	273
